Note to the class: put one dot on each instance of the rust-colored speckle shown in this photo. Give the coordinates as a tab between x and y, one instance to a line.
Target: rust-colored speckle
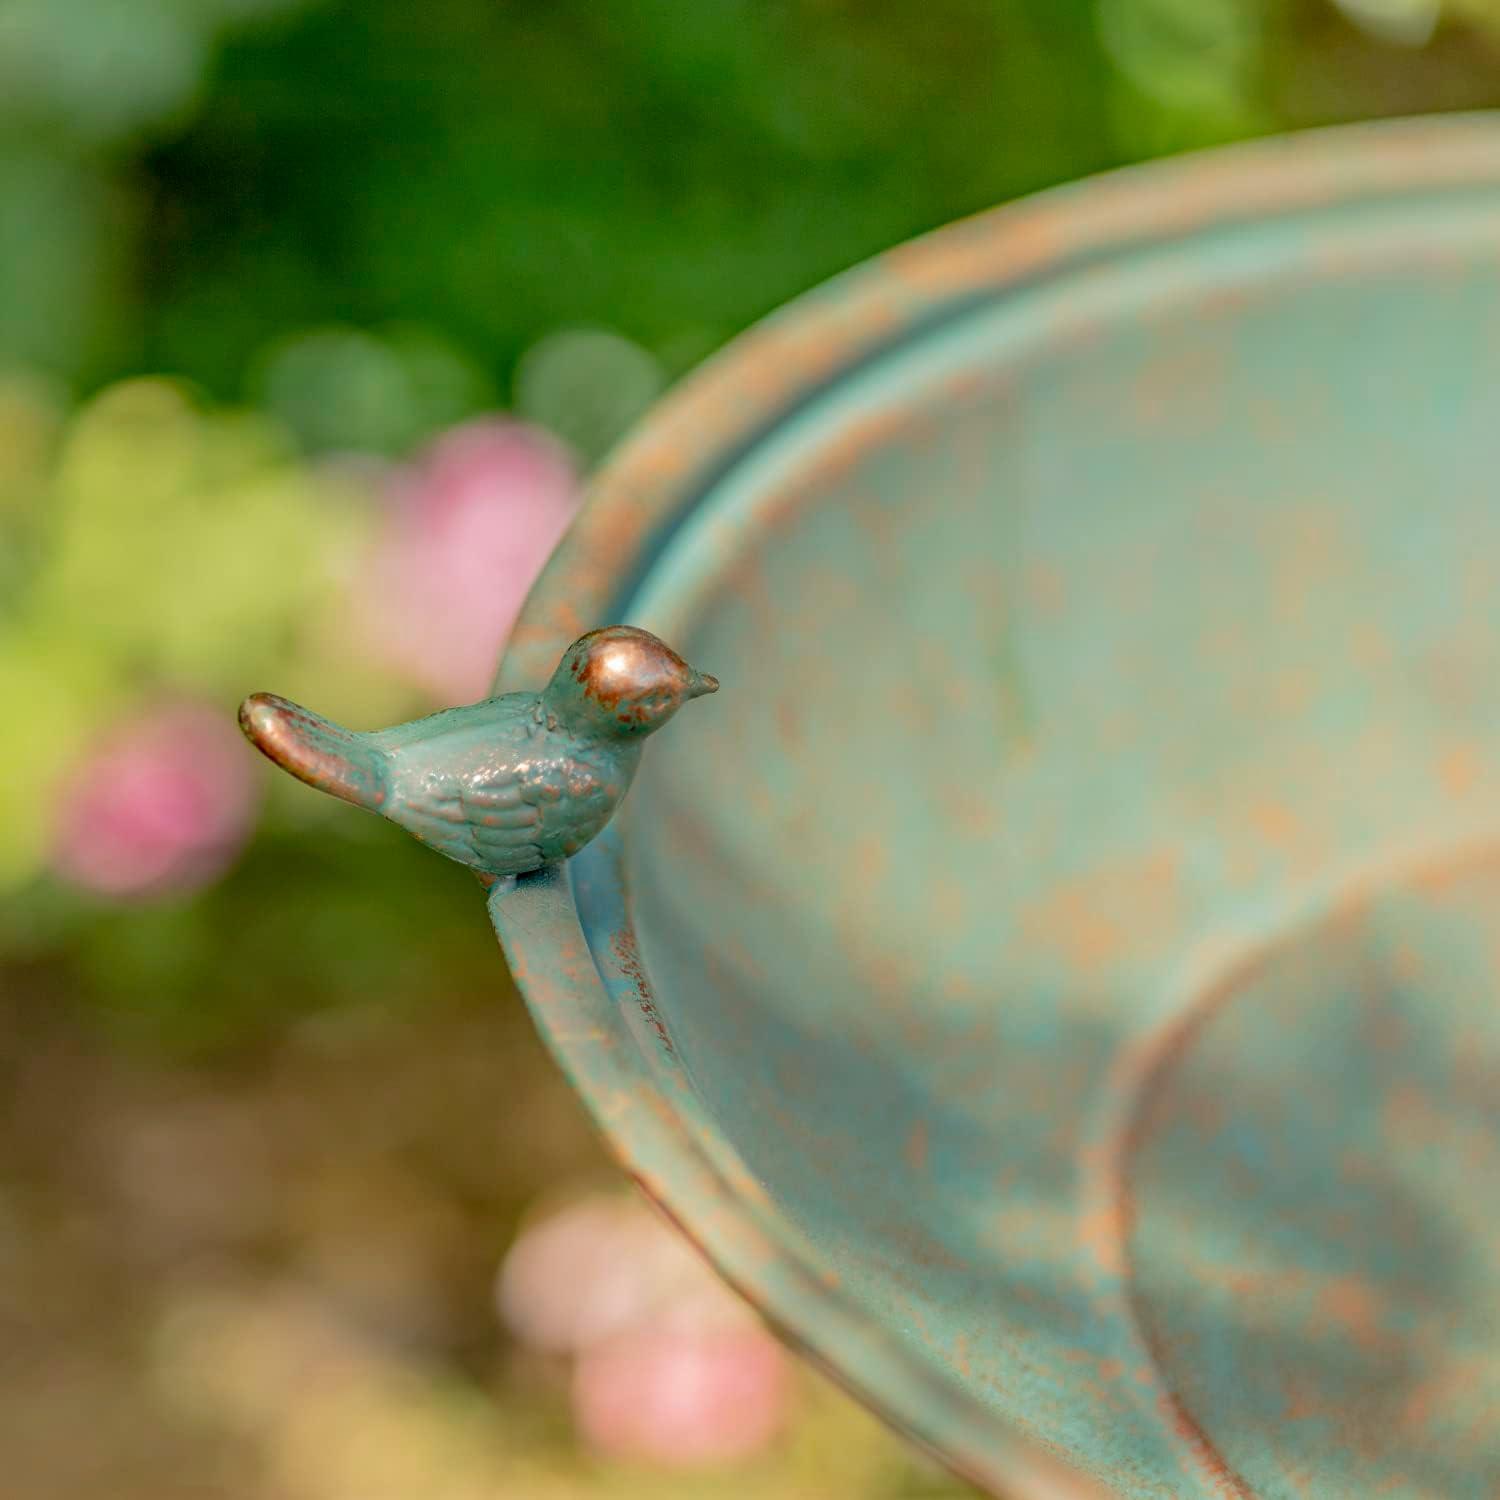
1353	1306
1182	389
627	956
1210	1462
957	986
871	858
788	725
1102	1234
915	1150
1459	770
1089	938
1293	692
1369	646
1276	823
1094	919
1046	591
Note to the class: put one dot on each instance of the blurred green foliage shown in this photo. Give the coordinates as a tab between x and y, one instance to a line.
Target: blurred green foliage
668	170
185	185
154	548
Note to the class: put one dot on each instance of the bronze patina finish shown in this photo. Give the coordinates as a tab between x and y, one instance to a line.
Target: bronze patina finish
1074	936
512	783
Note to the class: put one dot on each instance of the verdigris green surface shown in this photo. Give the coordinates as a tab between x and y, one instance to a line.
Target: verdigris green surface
1059	982
512	783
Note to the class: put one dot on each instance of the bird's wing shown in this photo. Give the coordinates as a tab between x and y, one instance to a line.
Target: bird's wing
489	824
505	826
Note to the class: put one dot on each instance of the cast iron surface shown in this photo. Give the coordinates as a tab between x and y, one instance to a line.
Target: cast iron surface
512	783
1058	983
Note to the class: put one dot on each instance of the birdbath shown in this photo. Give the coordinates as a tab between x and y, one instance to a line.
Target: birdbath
1055	978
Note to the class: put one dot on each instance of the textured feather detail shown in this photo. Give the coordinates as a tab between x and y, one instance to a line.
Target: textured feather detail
491	828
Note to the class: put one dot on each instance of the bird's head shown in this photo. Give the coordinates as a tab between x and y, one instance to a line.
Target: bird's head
622	683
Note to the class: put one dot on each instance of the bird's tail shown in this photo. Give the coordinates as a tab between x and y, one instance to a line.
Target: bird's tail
316	750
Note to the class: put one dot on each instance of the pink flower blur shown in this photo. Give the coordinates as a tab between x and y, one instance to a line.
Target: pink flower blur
602	1265
469	529
670	1366
162	805
681	1397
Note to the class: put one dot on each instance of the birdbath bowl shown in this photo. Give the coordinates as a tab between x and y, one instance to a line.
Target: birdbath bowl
1058	977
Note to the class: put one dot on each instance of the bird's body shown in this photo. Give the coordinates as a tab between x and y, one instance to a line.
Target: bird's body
507	785
491	785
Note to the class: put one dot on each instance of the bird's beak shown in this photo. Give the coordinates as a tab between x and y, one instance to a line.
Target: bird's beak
702	683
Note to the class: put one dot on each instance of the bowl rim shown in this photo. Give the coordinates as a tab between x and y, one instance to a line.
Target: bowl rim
709	424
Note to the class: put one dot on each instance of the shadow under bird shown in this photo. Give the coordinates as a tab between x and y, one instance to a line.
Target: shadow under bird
508	785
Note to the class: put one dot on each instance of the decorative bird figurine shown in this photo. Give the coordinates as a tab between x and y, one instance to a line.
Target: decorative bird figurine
510	784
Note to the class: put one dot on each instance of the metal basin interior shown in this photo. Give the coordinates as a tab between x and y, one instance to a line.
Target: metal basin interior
1055	976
